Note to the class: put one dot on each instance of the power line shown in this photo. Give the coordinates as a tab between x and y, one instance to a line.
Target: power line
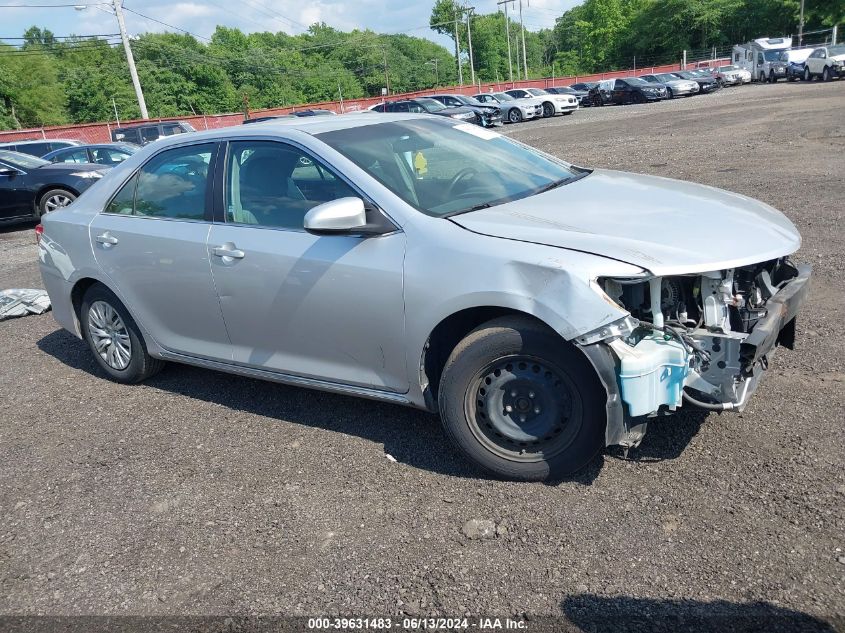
170	26
67	37
47	6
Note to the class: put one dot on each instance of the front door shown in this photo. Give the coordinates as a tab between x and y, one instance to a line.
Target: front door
328	307
151	242
15	194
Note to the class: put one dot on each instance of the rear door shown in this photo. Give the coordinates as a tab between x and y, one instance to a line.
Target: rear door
327	307
15	194
151	242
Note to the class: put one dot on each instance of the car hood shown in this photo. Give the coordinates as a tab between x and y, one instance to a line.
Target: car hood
665	226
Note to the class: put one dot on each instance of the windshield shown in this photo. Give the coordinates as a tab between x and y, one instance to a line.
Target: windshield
443	169
431	105
685	75
537	92
565	90
469	100
772	56
664	77
22	161
723	69
503	96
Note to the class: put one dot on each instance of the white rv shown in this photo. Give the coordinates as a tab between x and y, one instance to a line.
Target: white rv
758	56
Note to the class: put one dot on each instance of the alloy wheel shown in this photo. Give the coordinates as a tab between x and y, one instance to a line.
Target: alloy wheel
56	201
109	335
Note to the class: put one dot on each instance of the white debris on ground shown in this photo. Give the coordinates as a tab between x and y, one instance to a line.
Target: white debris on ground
17	302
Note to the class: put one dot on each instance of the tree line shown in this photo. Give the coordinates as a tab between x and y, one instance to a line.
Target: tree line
50	81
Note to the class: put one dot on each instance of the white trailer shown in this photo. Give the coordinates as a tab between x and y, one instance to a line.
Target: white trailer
757	55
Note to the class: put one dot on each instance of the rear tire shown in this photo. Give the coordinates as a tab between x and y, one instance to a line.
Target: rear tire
826	74
522	403
114	338
807	74
54	199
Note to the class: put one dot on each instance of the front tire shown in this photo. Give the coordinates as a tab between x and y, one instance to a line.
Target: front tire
669	93
807	75
515	115
826	74
522	403
54	199
548	110
114	338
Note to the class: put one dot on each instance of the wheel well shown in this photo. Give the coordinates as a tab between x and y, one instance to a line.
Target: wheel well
78	291
47	188
443	339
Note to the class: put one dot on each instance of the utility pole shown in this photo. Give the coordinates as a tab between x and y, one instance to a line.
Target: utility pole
386	76
524	56
142	104
458	45
508	37
801	26
433	62
469	11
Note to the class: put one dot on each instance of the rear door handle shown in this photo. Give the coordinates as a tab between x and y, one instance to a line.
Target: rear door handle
105	238
226	251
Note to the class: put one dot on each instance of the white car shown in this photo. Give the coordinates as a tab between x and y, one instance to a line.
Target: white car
552	104
825	63
732	75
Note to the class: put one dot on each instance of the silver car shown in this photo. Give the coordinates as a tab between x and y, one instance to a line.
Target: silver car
675	86
544	310
513	110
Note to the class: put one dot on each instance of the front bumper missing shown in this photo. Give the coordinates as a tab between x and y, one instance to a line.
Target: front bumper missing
776	328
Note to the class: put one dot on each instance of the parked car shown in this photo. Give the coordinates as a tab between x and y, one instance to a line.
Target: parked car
313	112
144	133
545	310
795	63
40	147
31	187
583	96
552	104
732	75
825	63
108	154
675	86
628	90
706	82
489	115
428	106
513	110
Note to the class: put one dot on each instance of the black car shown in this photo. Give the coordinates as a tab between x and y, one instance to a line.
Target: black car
628	90
794	70
583	96
706	83
431	106
108	154
31	187
144	133
489	115
39	147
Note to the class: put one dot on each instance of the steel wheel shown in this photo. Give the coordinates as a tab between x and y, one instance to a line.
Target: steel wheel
109	335
523	409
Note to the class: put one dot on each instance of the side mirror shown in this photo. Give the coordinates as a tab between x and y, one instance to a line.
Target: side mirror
344	215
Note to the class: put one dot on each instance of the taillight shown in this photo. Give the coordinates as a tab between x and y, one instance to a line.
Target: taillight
39	230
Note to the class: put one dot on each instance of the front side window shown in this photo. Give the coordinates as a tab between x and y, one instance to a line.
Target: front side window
442	168
173	184
76	156
274	184
108	156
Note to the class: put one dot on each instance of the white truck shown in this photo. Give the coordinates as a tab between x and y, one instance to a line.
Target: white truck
762	57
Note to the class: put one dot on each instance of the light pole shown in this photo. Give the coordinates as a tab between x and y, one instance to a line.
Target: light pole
508	38
469	13
117	7
522	30
801	26
433	62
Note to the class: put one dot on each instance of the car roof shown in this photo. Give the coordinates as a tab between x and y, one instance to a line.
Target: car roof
42	140
308	125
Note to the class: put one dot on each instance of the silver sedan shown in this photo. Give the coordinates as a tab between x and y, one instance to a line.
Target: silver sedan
544	310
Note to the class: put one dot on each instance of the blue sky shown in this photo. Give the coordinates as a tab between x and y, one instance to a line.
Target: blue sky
291	16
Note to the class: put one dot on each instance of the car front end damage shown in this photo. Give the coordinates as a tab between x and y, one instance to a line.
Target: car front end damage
703	340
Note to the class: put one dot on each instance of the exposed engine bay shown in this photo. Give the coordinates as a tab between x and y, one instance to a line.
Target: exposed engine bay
704	338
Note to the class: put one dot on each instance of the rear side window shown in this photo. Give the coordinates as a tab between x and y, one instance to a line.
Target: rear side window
171	185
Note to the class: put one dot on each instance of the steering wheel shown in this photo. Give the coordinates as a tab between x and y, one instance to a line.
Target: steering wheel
466	172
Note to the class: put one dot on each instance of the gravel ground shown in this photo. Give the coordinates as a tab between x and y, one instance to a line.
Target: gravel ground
204	493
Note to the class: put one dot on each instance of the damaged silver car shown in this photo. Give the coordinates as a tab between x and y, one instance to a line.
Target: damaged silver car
544	310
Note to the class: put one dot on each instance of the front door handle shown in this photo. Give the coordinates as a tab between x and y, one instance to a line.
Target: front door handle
107	239
227	251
